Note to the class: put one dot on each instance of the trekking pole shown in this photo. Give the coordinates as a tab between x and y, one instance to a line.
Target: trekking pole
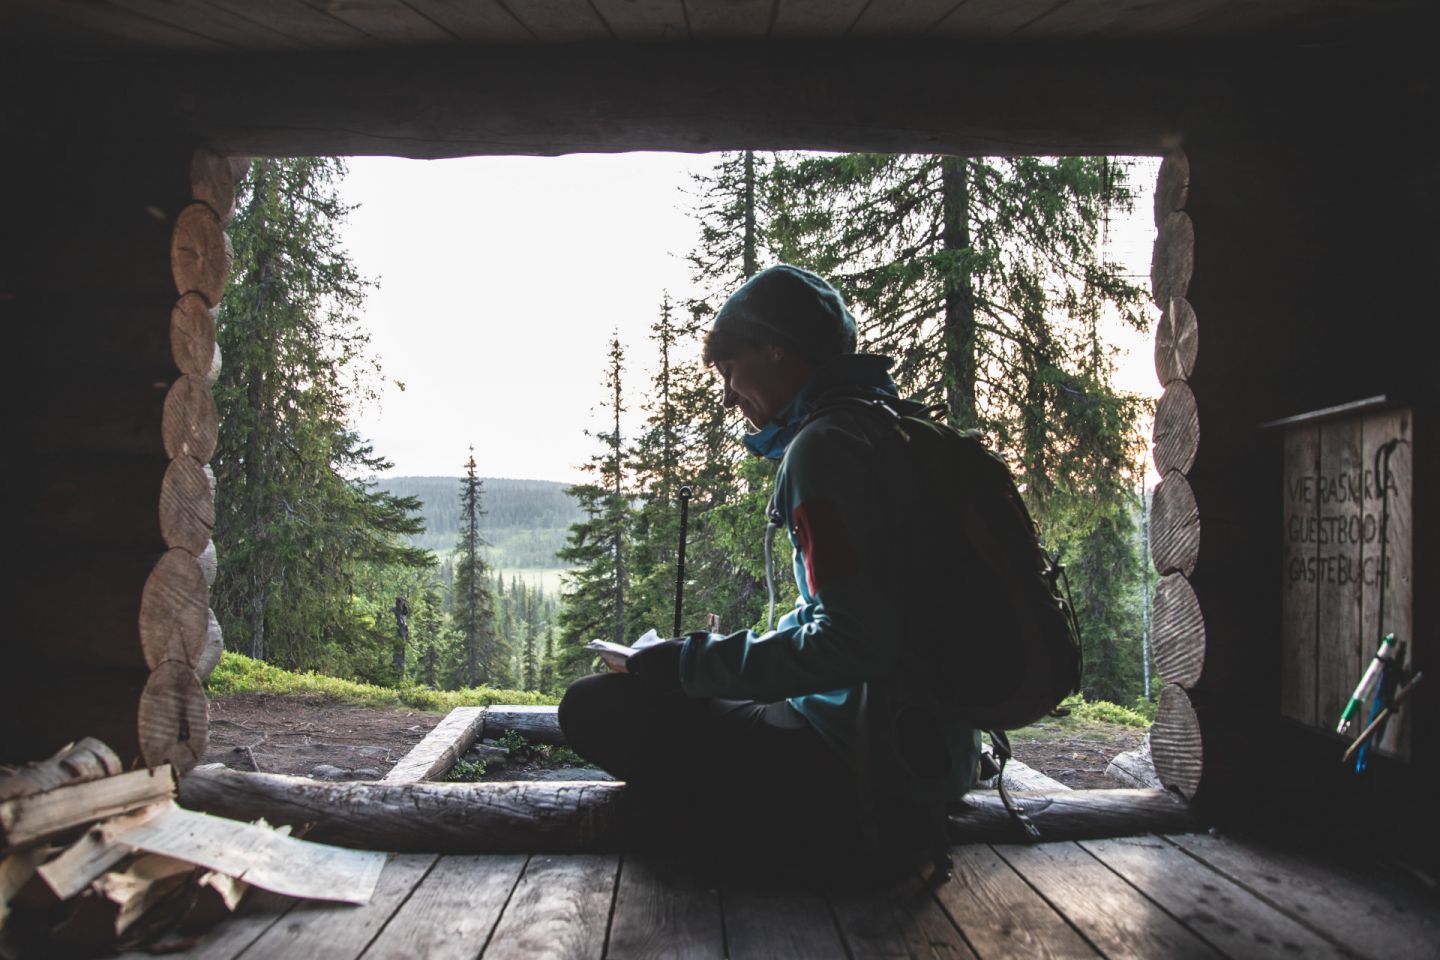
680	555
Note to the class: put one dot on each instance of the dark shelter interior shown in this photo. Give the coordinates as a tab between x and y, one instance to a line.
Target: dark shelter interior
1294	222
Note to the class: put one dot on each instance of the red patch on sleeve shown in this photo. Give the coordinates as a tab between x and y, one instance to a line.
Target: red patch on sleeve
821	533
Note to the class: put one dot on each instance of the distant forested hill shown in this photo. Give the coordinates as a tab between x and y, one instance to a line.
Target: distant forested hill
525	520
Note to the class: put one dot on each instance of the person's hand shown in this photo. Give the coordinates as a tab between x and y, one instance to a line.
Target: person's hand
658	664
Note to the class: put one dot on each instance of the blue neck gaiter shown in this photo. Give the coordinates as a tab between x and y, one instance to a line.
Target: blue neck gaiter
851	374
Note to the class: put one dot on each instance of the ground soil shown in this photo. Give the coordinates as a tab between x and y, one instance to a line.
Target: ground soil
295	735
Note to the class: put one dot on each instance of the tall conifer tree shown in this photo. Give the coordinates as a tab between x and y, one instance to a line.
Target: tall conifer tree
294	512
595	589
473	601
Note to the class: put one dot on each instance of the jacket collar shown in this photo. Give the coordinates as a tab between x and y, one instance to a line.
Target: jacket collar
851	374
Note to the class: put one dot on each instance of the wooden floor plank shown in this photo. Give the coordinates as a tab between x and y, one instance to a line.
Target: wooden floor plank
1227	915
559	910
1366	911
1110	913
338	931
763	924
1001	915
452	912
904	921
258	912
664	909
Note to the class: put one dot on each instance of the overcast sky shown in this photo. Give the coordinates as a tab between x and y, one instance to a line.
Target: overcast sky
501	279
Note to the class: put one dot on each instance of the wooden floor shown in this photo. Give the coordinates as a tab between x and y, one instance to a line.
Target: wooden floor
1194	895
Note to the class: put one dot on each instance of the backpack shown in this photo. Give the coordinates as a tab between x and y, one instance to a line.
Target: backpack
1002	651
1005	650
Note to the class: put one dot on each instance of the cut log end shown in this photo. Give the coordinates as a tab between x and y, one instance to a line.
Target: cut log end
187	506
1177	429
1177	342
1172	186
214	647
192	335
200	253
189	424
173	718
1174	527
1175	742
1173	261
212	182
1179	632
174	611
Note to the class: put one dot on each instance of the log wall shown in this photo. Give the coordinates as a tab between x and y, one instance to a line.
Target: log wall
1268	311
114	292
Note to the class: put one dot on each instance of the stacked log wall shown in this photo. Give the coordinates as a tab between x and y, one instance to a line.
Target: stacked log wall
114	294
1299	298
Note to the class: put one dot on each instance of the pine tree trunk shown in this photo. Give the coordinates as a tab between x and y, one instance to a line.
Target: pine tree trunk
749	265
960	359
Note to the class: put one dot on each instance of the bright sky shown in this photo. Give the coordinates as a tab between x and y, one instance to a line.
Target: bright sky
502	278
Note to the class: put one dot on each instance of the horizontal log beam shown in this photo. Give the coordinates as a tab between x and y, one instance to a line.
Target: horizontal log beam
442	746
527	816
535	724
855	95
1072	815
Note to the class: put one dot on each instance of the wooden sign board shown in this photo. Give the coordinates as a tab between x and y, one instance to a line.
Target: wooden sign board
1347	567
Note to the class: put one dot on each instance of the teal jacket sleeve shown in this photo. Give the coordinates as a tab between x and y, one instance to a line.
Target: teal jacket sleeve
842	631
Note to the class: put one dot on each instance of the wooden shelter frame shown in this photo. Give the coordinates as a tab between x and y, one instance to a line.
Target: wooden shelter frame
117	211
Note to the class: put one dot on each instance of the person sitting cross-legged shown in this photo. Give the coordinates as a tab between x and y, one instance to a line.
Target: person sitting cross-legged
802	737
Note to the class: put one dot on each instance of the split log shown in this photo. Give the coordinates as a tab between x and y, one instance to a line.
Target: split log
156	337
214	647
118	609
535	724
1071	815
209	563
521	817
1177	341
86	759
200	253
127	416
25	820
1177	429
119	502
94	853
147	718
1172	263
1172	186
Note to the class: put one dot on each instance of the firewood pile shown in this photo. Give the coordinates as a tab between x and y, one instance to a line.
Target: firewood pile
94	859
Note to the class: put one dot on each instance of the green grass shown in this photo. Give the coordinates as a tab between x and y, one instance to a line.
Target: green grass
1096	718
237	673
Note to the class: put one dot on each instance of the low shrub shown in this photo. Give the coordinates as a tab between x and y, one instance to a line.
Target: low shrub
237	673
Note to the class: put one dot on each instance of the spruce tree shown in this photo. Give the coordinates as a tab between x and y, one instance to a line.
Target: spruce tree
473	601
294	512
595	589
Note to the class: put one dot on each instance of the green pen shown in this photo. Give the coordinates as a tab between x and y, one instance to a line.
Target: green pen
1384	656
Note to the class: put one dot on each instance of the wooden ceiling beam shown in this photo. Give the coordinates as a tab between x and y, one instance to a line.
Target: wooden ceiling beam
695	97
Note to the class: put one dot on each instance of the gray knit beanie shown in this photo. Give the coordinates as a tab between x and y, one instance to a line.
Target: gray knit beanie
792	308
